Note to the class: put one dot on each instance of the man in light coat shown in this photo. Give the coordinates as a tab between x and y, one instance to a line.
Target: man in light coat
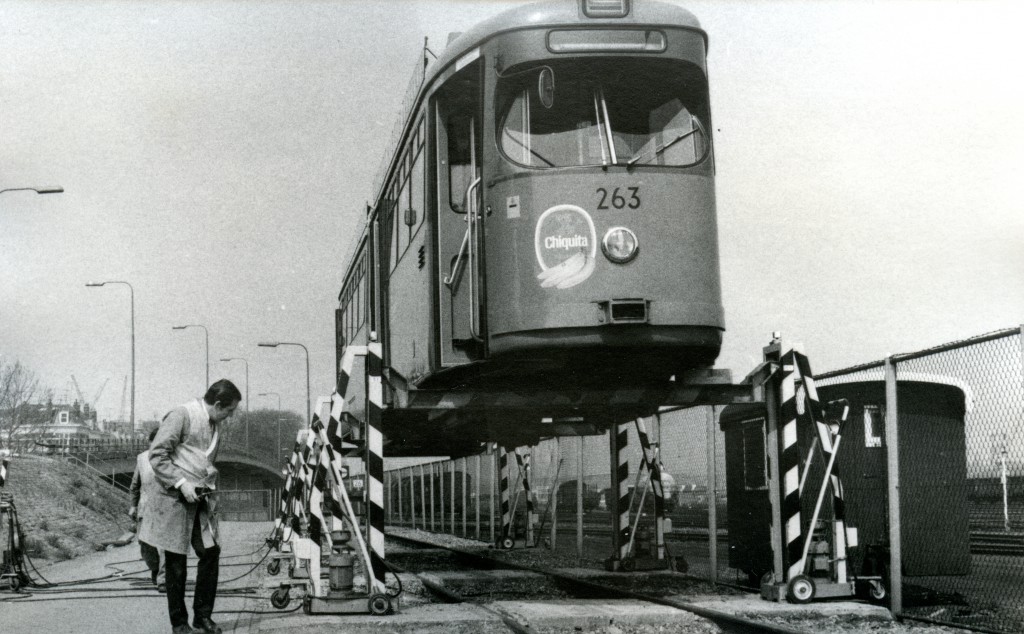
143	484
181	511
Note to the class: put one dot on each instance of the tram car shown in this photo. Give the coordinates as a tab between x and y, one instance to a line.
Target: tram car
545	222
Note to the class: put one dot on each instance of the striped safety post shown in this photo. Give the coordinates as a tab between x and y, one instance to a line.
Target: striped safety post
313	485
523	461
620	489
789	467
829	441
331	462
503	494
4	461
375	457
654	470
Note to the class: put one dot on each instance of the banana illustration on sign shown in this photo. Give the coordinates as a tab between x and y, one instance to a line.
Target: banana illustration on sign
568	273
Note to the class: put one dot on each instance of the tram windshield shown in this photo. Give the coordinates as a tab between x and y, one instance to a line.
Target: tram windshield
606	112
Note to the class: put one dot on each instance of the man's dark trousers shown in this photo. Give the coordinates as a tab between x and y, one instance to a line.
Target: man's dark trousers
206	580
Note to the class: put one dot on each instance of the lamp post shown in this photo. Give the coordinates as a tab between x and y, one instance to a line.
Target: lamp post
246	396
279	447
272	394
39	190
274	344
207	332
132	295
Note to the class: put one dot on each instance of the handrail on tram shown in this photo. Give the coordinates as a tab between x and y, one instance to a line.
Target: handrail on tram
457	268
474	234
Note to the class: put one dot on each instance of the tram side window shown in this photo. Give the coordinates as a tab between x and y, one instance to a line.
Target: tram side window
416	200
460	158
755	476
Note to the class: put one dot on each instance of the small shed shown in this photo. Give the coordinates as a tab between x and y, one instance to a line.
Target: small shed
933	473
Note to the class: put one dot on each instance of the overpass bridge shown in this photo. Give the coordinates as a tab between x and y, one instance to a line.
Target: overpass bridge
114	459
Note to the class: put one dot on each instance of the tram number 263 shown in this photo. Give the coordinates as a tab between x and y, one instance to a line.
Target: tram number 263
617	200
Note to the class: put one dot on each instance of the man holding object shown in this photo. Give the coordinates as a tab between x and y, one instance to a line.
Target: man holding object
181	511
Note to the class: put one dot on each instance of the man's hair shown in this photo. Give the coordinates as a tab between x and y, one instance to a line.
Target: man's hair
222	392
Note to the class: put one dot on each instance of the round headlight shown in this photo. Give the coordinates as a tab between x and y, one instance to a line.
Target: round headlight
620	245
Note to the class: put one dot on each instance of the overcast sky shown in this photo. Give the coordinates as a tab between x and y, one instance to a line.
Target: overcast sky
218	155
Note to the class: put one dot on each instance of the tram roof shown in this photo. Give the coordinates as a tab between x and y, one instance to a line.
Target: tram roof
558	13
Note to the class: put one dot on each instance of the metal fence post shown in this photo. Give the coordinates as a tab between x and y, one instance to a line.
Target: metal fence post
451	525
423	497
476	496
465	485
431	496
494	490
579	501
712	498
401	507
893	490
553	495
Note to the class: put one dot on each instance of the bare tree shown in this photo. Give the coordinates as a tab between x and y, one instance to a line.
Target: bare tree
18	385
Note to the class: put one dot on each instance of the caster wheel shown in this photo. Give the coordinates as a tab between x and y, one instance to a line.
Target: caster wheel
877	591
15	583
280	599
800	589
628	564
274	567
507	543
379	604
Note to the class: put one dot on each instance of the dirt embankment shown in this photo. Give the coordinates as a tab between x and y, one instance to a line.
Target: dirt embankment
65	510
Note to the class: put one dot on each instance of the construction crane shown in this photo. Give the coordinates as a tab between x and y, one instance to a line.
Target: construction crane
78	390
122	416
96	399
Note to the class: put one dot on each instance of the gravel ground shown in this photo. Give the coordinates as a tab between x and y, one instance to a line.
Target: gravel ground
831	616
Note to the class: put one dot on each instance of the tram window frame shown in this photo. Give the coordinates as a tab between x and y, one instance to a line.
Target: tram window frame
690	91
417	189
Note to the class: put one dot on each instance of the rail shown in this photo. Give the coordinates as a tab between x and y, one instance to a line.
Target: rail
79	461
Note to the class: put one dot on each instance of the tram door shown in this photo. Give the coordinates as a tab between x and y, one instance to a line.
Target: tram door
459	233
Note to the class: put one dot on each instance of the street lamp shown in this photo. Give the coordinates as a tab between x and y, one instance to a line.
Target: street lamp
132	294
274	344
272	394
39	190
246	397
207	385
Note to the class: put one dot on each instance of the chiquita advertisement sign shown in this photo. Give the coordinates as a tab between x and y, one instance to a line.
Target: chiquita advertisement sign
566	245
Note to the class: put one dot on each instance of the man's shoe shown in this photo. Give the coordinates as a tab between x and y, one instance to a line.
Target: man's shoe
206	625
182	629
162	588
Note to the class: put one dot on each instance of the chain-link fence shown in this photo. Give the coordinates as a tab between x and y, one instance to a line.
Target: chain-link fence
957	435
959	429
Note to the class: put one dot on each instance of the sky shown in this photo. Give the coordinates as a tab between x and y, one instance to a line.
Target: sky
218	155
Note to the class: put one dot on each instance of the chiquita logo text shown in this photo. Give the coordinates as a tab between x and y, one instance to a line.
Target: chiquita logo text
558	242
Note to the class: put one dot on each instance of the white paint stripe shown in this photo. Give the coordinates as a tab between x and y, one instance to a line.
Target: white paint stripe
792	480
789	434
793	529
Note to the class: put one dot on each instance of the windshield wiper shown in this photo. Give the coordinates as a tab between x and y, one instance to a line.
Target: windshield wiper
530	150
657	152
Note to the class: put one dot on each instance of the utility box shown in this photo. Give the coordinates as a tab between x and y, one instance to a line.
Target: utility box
933	475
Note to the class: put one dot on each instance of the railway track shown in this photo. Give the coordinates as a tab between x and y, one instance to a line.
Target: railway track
471	577
982	542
